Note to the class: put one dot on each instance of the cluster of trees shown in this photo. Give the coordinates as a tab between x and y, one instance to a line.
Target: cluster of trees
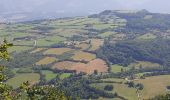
131	84
108	87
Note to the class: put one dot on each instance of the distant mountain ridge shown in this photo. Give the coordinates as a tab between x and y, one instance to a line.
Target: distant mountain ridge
28	16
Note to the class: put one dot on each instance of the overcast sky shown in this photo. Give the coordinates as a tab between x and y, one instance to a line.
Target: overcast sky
82	6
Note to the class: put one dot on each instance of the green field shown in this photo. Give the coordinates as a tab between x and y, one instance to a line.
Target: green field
122	90
50	75
18	79
65	75
118	68
48	41
147	36
19	49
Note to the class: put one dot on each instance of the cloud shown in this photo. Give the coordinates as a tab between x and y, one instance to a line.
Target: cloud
81	6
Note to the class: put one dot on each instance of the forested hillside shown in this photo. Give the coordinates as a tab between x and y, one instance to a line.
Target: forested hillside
126	52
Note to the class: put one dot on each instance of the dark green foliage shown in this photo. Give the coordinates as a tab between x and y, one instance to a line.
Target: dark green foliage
24	59
161	97
124	53
78	86
41	92
108	87
131	84
139	86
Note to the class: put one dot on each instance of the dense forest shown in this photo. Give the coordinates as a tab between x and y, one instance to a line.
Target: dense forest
126	52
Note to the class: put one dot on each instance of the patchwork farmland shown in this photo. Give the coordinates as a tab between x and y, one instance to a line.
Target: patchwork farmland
113	55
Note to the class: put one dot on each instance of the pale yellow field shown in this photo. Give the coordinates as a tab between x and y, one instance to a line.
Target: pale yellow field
83	46
83	56
57	51
96	43
46	60
64	65
154	85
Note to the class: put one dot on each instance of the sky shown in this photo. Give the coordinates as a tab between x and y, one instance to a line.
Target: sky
81	6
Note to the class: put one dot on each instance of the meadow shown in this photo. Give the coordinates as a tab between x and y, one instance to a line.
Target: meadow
51	75
147	36
117	68
19	49
18	79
